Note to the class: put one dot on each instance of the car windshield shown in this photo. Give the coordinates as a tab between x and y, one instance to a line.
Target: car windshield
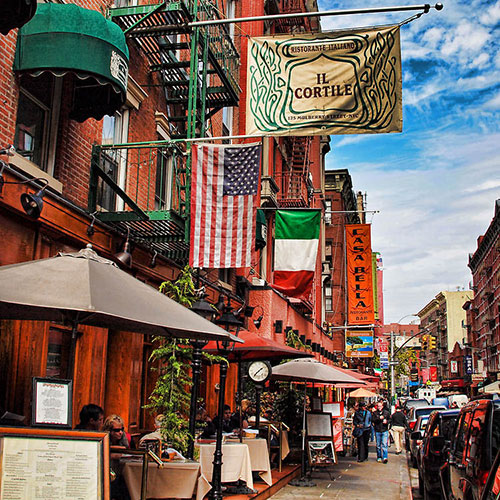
427	411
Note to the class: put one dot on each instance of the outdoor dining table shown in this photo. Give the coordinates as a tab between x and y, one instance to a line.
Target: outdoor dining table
236	463
259	457
175	479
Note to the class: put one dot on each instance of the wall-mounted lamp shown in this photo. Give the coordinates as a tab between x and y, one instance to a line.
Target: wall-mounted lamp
91	229
152	262
33	203
278	326
257	322
125	257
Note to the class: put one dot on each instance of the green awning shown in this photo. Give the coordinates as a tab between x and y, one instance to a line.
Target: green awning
65	38
15	13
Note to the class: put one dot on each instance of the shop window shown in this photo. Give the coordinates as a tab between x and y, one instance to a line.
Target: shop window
37	120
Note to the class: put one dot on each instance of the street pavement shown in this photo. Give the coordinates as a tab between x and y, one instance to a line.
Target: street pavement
350	480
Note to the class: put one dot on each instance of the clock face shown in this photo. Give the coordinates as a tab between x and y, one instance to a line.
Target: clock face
259	371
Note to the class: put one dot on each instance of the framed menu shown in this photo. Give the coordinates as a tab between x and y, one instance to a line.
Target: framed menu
321	453
52	402
319	425
55	464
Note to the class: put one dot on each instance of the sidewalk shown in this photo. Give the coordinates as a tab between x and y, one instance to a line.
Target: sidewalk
358	481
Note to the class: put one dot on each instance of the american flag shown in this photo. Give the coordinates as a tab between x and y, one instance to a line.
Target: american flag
224	185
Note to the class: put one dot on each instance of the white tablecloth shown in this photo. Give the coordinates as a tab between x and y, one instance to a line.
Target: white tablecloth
259	458
236	463
176	479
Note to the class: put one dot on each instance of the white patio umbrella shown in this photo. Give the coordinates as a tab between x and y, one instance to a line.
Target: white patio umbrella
310	370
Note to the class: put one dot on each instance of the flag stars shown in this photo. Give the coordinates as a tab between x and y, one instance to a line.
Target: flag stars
241	171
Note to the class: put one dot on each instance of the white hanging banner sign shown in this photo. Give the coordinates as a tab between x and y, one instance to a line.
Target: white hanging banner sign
345	82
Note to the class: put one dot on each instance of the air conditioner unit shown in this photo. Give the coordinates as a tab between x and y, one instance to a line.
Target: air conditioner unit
258	281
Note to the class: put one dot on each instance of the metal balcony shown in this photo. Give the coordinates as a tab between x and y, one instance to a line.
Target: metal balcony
163	34
139	189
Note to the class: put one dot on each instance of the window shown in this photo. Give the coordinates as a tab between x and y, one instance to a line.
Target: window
328	212
163	188
328	298
461	436
37	120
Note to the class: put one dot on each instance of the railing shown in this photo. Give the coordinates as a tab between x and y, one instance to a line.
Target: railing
293	190
137	177
221	44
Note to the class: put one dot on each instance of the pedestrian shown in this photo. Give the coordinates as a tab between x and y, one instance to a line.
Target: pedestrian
372	408
381	417
362	424
398	426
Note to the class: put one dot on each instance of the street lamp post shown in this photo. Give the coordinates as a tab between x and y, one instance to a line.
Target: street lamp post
229	321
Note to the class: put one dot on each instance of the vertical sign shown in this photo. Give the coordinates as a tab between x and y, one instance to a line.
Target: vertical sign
359	275
468	364
375	285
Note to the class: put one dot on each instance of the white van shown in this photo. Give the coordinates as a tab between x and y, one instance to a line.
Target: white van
460	399
428	393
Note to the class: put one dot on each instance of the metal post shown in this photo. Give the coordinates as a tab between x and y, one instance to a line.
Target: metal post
217	463
258	392
196	368
392	368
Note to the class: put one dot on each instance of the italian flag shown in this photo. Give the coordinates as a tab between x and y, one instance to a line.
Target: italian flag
295	251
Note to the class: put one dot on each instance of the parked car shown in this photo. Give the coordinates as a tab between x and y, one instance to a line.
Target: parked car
416	438
491	489
432	456
415	412
460	399
441	401
474	445
410	403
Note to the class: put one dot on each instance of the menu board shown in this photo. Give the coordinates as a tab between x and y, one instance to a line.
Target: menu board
51	468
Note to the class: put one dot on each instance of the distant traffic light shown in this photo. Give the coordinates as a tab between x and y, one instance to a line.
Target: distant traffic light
432	342
424	342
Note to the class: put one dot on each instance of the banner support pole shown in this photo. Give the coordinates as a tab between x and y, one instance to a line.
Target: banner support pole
425	8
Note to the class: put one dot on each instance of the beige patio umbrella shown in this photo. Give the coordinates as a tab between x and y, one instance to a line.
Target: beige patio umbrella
362	393
84	288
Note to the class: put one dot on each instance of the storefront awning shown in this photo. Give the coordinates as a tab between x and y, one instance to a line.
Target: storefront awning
15	13
65	38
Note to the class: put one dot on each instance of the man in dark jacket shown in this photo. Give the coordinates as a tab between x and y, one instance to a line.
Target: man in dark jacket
362	426
381	417
398	426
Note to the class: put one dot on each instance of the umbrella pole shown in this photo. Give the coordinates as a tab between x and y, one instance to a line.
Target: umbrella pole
303	480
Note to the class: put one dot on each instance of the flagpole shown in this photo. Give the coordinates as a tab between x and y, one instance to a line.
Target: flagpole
400	8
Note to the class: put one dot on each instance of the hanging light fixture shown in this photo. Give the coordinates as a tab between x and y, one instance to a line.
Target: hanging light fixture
33	203
125	257
257	322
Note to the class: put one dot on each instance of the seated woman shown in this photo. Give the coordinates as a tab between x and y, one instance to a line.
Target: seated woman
116	427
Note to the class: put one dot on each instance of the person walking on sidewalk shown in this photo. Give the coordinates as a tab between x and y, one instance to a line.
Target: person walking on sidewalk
362	424
381	417
398	426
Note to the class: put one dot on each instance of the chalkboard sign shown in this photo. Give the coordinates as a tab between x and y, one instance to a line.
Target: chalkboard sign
319	425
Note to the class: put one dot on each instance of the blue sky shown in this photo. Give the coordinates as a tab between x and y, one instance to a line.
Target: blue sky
435	184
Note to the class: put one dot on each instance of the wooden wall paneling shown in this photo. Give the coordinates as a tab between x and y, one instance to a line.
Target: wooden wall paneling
211	378
135	377
90	368
24	353
122	352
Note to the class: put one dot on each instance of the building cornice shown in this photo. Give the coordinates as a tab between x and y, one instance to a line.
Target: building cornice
491	235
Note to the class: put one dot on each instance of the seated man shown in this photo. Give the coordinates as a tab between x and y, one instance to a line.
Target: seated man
228	423
91	418
204	424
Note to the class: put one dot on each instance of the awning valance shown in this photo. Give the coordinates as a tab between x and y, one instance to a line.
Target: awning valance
15	13
65	38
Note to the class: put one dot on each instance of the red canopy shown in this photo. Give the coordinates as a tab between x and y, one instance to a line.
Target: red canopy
257	347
